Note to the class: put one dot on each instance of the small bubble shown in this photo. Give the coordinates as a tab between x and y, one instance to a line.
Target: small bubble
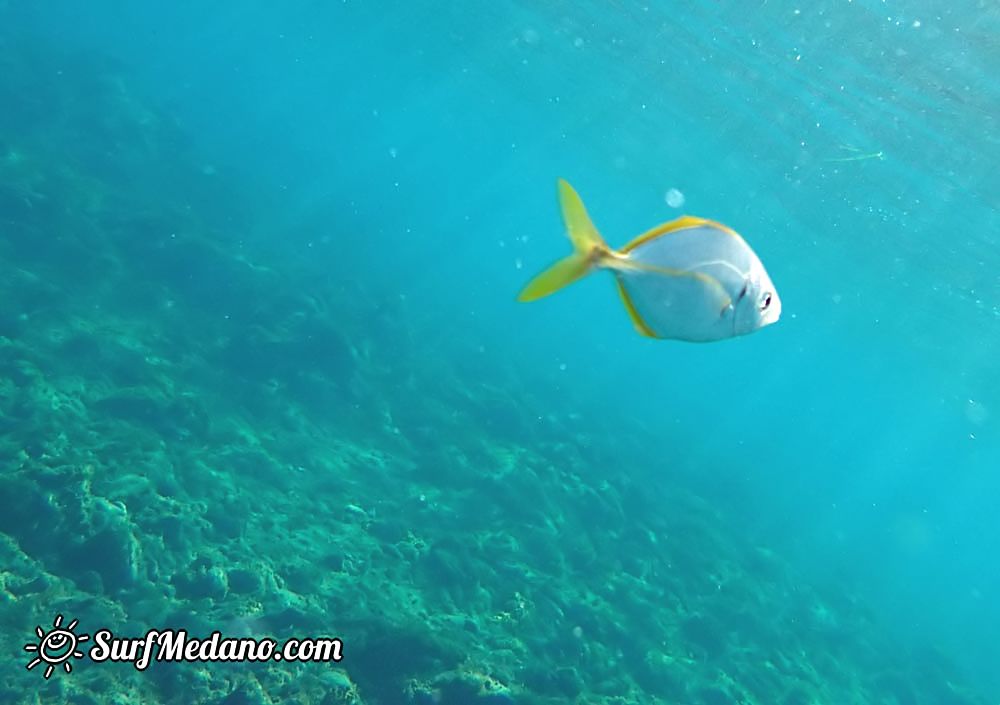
562	366
674	198
577	632
578	43
393	152
530	36
976	413
916	24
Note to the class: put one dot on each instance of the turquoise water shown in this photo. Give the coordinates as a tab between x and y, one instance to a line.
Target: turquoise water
262	370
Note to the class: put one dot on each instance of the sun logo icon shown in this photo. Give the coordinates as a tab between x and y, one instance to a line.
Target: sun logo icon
56	647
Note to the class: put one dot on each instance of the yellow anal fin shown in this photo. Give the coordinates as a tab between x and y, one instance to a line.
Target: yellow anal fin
637	321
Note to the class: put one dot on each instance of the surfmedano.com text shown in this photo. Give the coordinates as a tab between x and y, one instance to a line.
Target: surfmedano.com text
177	645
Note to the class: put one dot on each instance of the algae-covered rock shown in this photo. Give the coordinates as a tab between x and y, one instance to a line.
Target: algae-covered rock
207	582
248	692
339	689
243	581
460	687
705	636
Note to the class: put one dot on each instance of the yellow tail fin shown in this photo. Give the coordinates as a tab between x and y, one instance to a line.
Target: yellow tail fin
589	249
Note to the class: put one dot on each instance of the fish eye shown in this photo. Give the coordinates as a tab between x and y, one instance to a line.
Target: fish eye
765	302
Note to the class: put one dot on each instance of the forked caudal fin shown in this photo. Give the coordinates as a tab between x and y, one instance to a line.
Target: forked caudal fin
589	249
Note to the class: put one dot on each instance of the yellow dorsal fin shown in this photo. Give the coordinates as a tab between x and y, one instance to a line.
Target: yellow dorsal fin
685	222
589	249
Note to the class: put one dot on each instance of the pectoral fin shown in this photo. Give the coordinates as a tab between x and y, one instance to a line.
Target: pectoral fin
707	280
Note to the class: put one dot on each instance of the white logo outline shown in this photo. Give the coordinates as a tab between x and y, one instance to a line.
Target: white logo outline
56	647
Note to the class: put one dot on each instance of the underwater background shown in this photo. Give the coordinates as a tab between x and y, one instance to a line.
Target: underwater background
262	370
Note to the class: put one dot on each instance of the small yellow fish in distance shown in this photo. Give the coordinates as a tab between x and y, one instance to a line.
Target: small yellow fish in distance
689	279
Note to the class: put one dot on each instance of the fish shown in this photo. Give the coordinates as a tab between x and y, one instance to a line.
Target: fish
689	279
